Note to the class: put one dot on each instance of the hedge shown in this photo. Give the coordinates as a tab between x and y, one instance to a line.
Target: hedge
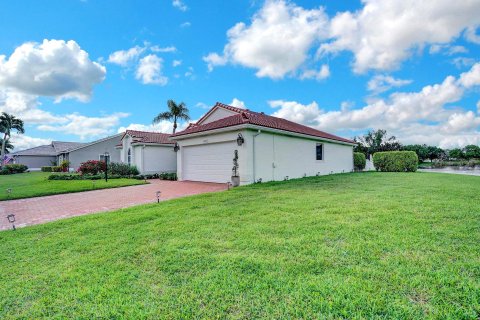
47	169
13	168
81	177
395	161
359	161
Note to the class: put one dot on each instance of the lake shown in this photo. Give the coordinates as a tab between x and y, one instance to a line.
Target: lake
472	171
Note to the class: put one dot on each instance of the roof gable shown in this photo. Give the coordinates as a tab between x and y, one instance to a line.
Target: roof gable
219	111
247	117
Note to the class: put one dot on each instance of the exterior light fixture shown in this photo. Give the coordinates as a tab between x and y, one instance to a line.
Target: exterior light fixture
9	192
107	156
240	139
176	147
229	185
304	175
158	196
11	219
318	173
286	178
259	180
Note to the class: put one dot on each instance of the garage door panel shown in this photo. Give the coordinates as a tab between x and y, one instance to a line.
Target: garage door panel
210	162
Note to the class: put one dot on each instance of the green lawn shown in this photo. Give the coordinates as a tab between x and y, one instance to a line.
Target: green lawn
349	246
35	184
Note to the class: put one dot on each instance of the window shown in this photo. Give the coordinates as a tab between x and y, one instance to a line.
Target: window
129	157
319	151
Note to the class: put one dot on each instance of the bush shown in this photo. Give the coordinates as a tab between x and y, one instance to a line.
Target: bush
64	165
13	168
57	169
92	167
122	169
395	161
359	161
47	169
80	177
168	176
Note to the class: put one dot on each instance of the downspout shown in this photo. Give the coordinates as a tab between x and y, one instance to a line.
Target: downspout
143	159
254	136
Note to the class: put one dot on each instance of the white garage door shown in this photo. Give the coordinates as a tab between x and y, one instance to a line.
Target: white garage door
208	162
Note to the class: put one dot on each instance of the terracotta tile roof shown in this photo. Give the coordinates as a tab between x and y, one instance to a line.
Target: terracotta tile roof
254	118
221	105
149	137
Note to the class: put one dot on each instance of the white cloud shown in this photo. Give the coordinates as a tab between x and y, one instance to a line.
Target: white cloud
86	127
190	73
163	49
277	41
478	107
381	83
321	74
22	142
471	34
206	106
186	24
461	62
53	68
163	126
123	57
149	70
180	5
238	103
384	33
415	117
176	63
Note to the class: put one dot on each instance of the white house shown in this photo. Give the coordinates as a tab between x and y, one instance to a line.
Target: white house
269	148
150	152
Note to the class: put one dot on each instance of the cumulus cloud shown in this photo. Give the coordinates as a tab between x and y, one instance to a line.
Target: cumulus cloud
176	63
180	5
321	74
381	35
378	43
22	142
415	117
163	49
149	70
238	103
123	57
163	126
276	42
53	68
86	127
381	83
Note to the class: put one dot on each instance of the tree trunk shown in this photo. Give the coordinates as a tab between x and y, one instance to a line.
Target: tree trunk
174	124
2	153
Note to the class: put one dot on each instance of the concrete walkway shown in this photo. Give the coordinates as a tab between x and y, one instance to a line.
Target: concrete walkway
43	209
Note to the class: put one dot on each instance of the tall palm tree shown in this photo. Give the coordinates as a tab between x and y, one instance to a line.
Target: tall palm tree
175	112
9	122
8	146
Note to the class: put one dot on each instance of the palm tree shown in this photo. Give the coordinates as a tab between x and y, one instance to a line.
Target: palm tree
8	122
175	112
8	146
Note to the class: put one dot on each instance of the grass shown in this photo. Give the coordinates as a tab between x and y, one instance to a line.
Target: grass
362	245
35	184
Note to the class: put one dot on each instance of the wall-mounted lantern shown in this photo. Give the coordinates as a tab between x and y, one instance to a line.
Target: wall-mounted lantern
240	139
176	147
158	196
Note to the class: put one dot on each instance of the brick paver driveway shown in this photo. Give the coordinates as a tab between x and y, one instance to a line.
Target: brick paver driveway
43	209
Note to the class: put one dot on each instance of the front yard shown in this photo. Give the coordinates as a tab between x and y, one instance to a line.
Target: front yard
35	184
362	245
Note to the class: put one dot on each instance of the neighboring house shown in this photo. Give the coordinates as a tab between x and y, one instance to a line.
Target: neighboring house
150	152
269	148
41	156
74	152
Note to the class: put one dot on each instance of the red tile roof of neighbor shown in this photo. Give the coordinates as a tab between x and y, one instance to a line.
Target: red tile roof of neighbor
246	116
148	137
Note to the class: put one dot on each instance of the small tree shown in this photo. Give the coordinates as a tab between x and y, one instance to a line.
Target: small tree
456	154
434	153
376	141
472	151
8	123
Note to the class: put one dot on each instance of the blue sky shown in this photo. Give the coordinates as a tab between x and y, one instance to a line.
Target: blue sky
339	66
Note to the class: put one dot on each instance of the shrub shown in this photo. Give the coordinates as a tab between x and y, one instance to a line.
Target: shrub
57	169
80	177
13	168
92	167
359	161
396	161
65	164
47	169
168	176
122	169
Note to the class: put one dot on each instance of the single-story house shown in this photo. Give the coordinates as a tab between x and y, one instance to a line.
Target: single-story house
268	148
150	152
74	152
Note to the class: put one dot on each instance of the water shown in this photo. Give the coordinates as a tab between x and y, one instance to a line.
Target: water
471	171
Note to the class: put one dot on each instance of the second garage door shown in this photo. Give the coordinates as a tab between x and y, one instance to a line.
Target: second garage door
208	162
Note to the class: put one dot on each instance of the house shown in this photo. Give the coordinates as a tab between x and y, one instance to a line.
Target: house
150	152
74	152
268	148
42	156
